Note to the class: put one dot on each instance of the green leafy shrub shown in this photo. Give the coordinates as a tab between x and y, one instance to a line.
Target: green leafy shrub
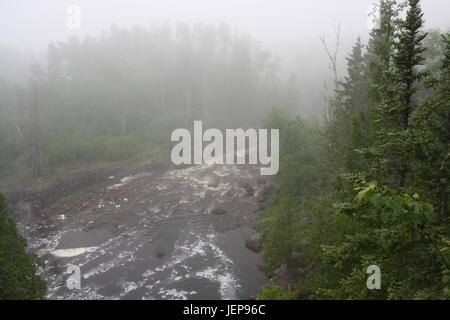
18	278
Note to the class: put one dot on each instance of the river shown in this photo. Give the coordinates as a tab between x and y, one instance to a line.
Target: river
177	233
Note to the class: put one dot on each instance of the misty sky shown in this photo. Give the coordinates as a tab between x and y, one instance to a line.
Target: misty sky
289	28
283	23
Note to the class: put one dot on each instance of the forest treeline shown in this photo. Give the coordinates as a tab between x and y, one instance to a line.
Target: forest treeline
371	187
119	95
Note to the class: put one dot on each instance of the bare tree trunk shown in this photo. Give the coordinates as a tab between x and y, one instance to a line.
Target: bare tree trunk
332	56
37	159
188	107
123	123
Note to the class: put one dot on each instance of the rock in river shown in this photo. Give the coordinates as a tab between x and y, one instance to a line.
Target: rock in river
254	242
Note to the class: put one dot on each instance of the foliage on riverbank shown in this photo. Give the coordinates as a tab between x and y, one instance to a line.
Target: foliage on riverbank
18	278
373	187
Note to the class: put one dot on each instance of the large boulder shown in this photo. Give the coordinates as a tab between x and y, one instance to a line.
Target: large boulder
249	191
254	242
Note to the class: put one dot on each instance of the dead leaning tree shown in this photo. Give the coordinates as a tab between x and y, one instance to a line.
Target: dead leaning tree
332	56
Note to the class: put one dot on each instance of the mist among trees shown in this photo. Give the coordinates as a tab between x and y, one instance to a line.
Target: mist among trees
119	95
366	184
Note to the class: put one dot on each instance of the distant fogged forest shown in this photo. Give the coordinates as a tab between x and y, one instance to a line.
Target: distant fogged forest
121	94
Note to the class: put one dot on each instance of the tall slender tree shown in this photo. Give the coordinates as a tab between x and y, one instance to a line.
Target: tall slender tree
350	88
408	56
380	48
398	104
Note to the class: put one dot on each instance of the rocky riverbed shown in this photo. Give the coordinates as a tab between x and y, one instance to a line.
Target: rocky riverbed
173	233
